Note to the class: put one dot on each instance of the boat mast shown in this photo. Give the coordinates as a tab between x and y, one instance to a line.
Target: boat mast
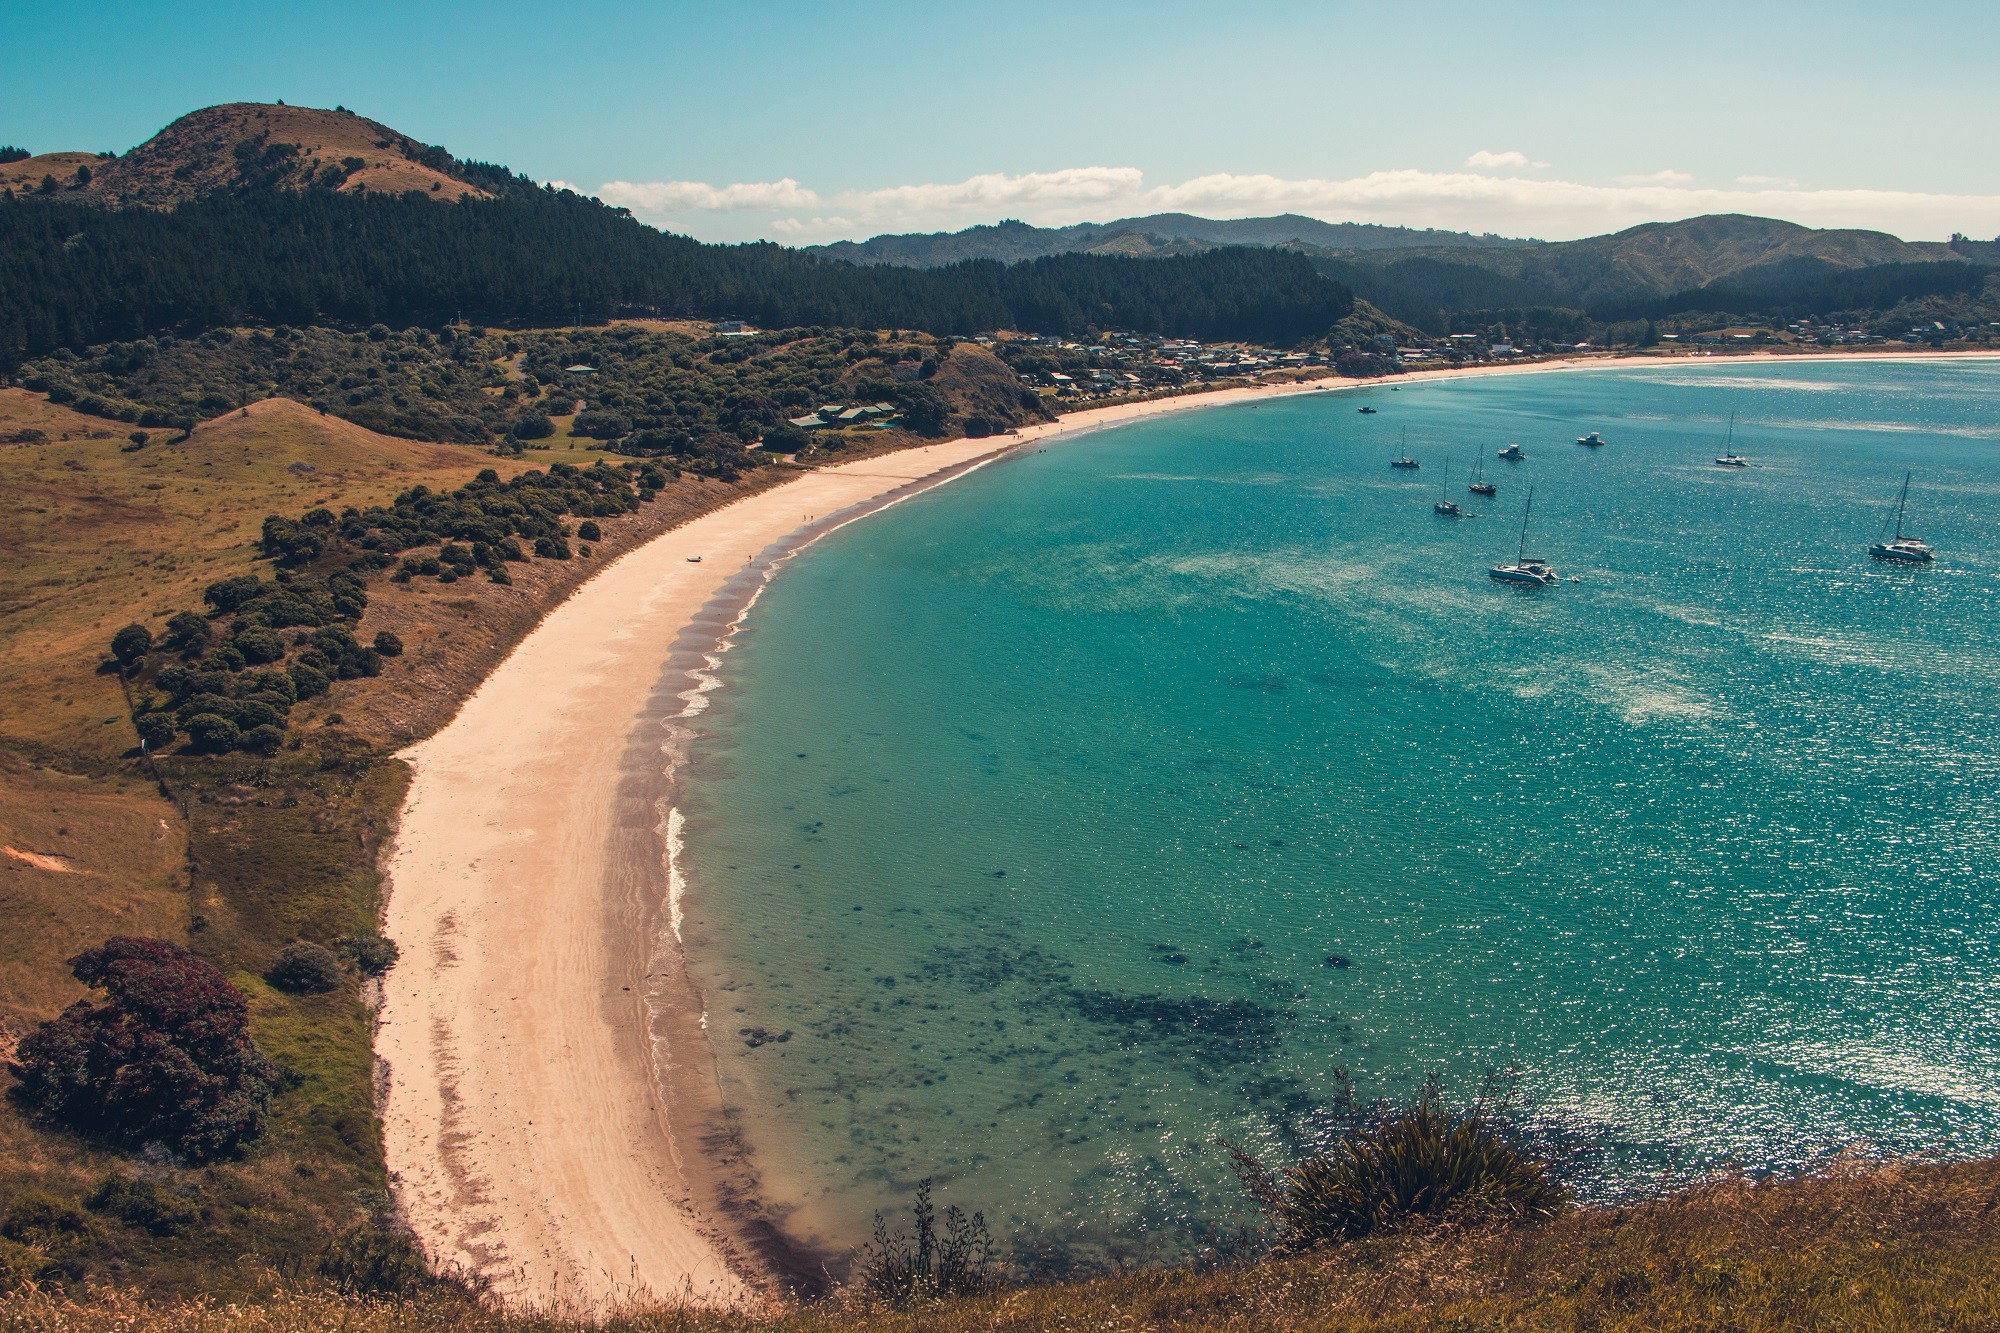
1521	550
1901	501
1729	446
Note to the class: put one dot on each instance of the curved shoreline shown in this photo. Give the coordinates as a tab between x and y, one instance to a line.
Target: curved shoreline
551	1120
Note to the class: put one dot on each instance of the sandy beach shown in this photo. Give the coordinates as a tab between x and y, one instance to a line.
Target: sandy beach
541	1042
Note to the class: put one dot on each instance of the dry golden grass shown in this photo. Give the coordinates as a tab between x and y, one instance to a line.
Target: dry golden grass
99	537
1902	1247
195	154
26	175
124	857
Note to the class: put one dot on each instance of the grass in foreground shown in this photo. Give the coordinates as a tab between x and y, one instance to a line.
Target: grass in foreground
1901	1246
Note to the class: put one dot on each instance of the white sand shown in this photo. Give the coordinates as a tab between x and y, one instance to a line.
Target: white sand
524	1123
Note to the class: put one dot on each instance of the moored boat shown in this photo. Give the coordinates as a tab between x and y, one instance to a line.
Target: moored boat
1479	485
1446	507
1591	441
1530	570
1906	550
1513	453
1730	458
1406	462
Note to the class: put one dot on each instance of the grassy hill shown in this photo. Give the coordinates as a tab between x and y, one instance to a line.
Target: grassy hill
249	144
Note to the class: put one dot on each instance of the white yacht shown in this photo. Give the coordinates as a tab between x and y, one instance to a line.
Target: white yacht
1908	550
1529	569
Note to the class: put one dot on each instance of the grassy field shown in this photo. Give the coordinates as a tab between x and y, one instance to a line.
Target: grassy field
1890	1248
234	856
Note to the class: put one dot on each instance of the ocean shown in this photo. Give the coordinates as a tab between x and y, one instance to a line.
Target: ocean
1059	824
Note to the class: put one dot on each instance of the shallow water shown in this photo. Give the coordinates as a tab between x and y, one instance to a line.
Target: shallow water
1065	818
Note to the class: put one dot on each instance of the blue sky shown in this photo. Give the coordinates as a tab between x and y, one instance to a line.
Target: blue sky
807	122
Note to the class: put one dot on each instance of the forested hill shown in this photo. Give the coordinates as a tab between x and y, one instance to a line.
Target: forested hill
248	213
1156	235
72	275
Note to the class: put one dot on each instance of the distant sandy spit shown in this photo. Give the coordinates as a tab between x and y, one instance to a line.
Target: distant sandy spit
531	1083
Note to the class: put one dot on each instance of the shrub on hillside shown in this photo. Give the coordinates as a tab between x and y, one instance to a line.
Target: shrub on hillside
213	733
1395	1167
131	643
533	426
144	1204
186	633
926	1263
588	531
371	954
388	644
157	730
305	968
166	1058
601	425
262	739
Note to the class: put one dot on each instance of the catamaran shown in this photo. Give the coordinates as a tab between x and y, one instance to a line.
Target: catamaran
1529	569
1479	485
1730	458
1446	506
1909	550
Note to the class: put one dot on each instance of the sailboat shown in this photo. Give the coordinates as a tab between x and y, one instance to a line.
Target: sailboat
1909	550
1446	506
1730	457
1406	461
1529	569
1479	485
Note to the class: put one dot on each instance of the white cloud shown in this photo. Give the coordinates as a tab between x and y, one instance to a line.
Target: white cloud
666	198
997	195
1468	200
1493	161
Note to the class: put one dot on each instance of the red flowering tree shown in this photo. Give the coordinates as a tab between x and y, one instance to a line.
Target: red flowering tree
166	1058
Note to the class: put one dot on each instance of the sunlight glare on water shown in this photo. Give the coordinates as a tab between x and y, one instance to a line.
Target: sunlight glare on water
1061	820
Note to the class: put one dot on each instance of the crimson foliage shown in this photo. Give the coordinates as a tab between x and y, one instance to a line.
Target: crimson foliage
166	1058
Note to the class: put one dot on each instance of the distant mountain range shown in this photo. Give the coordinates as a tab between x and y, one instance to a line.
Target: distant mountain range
1156	235
293	214
1424	277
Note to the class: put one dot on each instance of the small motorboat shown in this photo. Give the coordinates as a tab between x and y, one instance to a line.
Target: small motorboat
1513	453
1366	411
694	560
1591	441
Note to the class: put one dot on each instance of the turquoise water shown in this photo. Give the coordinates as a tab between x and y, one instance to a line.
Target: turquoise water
1100	803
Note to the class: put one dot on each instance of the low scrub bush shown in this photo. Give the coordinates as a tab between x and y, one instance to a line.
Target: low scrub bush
305	968
144	1204
1394	1167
